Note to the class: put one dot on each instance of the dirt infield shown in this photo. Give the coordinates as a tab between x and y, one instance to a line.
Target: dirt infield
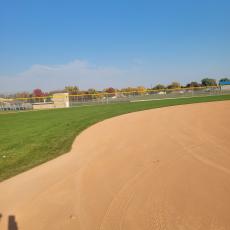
159	169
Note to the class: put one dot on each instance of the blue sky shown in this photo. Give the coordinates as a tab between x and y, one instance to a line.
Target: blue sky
50	44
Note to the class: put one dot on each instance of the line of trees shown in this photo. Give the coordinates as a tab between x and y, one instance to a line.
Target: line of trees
74	90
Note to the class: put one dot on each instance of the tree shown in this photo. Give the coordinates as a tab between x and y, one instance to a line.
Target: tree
159	86
129	89
193	84
174	85
22	95
92	91
72	89
208	82
110	90
38	93
141	90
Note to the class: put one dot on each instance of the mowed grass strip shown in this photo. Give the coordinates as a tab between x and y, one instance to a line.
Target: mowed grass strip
28	139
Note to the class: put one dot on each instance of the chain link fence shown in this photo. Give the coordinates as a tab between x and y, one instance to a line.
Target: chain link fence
18	104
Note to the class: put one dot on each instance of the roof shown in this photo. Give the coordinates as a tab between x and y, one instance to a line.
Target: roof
224	83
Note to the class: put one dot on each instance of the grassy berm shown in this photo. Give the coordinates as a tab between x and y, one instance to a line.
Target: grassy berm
28	139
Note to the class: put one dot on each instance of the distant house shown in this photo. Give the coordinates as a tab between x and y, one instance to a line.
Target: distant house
224	85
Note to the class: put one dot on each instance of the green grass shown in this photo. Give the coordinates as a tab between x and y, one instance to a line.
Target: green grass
28	139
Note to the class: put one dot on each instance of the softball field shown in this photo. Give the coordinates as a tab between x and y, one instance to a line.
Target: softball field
166	168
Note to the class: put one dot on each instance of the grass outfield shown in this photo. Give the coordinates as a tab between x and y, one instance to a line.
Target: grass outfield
28	139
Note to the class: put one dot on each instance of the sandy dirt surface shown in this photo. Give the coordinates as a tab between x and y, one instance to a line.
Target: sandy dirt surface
161	169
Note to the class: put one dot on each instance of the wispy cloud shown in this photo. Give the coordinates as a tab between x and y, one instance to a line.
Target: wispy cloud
87	75
77	72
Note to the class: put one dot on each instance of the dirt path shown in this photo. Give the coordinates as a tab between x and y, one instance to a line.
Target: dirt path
159	169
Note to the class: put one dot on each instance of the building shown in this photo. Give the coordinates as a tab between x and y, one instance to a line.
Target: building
224	85
59	100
